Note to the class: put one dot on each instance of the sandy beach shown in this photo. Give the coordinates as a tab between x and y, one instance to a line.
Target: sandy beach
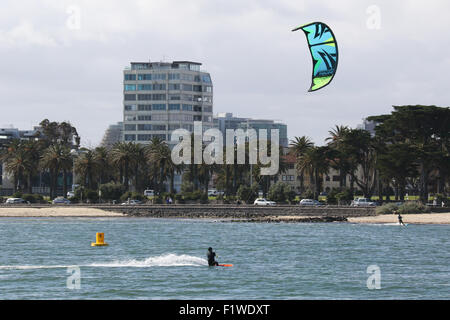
57	212
61	211
424	218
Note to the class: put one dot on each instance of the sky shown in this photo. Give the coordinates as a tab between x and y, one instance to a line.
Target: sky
64	60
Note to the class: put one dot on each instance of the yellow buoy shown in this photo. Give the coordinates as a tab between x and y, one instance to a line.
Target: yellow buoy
99	240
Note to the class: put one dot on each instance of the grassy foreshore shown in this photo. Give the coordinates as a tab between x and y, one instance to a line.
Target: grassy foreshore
226	213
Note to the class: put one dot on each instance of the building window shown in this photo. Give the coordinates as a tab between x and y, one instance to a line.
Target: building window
144	137
130	137
187	77
144	97
159	106
186	87
158	96
159	86
130	118
145	76
174	97
130	107
197	118
145	107
130	77
186	97
174	76
174	126
207	109
197	108
144	127
129	97
206	78
142	87
129	87
174	86
207	89
130	127
174	106
159	127
336	178
187	107
159	117
145	118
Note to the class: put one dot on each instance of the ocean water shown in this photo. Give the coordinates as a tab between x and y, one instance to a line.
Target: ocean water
51	258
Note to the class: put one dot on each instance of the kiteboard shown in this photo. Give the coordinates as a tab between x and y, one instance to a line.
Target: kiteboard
225	265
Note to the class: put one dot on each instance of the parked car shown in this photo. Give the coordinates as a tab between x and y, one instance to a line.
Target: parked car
310	202
132	202
14	200
149	193
362	202
263	202
61	200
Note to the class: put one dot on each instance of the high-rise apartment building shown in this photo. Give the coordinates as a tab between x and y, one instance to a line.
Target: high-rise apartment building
224	121
159	97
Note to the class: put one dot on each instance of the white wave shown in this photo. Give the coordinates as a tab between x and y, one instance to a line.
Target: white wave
165	260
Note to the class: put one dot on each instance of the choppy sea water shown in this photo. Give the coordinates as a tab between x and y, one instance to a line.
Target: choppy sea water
51	258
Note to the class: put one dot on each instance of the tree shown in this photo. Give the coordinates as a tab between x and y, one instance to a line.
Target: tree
55	158
298	147
88	168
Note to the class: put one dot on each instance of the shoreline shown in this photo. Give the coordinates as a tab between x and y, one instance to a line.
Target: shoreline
265	217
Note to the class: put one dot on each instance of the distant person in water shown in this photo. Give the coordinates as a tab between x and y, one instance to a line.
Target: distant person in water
400	220
211	257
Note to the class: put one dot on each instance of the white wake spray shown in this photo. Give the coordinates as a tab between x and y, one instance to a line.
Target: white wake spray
165	260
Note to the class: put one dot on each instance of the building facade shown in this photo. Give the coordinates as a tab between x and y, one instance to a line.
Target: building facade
159	97
112	135
224	121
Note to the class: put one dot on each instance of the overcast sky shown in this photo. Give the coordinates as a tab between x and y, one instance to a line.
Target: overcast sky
63	60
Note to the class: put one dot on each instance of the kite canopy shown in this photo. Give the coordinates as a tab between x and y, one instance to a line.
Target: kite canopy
324	53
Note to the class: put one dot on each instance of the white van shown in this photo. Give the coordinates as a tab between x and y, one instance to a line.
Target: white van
149	193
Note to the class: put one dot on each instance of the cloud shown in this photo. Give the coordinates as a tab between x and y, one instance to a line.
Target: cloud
24	35
259	67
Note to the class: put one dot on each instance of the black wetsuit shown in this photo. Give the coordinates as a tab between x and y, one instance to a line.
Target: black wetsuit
211	258
400	220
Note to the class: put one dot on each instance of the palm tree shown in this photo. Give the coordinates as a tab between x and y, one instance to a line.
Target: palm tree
15	160
159	156
122	157
102	157
55	158
87	167
315	161
298	147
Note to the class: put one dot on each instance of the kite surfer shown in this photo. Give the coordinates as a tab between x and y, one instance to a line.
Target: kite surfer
211	257
400	220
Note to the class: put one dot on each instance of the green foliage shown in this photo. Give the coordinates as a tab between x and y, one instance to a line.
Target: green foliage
280	192
204	198
247	194
132	196
386	208
307	194
17	194
339	196
413	207
405	208
112	191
